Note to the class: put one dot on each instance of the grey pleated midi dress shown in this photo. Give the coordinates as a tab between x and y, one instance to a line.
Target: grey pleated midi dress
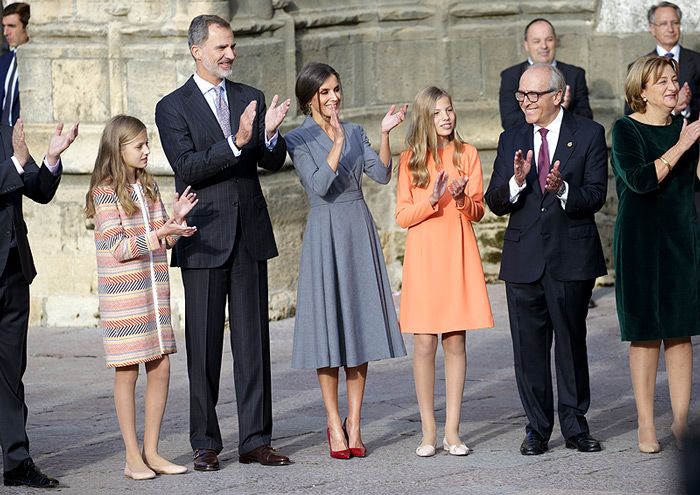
345	314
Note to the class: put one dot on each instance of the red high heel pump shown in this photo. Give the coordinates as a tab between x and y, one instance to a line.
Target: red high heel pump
337	454
355	451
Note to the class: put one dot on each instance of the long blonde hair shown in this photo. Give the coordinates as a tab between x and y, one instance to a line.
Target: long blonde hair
421	137
110	169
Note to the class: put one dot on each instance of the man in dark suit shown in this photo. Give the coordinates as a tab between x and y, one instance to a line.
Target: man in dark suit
540	44
20	176
665	26
15	18
215	134
551	252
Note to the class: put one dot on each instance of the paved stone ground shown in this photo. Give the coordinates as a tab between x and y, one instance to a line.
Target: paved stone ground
75	437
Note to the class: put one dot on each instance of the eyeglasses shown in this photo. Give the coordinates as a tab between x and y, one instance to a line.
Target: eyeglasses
666	24
532	96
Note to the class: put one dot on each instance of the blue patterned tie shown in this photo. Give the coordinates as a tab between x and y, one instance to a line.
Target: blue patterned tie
669	55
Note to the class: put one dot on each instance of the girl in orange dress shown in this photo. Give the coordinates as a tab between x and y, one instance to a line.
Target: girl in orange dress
443	290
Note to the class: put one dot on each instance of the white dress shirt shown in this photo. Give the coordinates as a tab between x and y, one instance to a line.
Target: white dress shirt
210	92
554	129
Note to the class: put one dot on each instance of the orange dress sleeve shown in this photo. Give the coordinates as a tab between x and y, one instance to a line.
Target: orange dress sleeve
473	208
410	211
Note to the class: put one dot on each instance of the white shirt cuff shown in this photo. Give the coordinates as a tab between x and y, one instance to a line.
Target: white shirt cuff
272	142
52	168
18	167
234	148
515	189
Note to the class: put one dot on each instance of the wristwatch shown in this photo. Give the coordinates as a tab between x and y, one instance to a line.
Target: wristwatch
561	190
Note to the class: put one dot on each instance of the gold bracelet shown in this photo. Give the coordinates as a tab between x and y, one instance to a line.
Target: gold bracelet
665	162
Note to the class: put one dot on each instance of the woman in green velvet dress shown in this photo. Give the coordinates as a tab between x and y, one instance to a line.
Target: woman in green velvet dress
657	240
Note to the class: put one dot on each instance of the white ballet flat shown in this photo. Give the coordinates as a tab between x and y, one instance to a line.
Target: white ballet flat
459	449
425	450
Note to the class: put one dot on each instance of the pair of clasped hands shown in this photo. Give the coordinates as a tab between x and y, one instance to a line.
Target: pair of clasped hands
522	166
456	188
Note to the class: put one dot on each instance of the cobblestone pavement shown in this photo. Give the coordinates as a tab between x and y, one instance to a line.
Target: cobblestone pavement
74	433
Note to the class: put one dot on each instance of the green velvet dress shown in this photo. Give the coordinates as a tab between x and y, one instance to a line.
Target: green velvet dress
656	245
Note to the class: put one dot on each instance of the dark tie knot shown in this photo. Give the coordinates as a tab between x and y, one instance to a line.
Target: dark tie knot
543	132
669	55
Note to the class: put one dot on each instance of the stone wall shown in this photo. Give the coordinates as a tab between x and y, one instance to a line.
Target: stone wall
91	59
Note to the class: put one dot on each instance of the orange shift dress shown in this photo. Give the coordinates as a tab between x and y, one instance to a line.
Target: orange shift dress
443	288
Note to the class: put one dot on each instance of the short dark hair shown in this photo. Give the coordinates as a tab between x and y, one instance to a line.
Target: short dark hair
198	31
310	78
539	19
651	13
19	8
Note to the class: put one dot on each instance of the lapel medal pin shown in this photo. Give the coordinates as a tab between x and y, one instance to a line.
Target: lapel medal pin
569	144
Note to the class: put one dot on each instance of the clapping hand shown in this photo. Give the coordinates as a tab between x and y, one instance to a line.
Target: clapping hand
456	188
275	115
439	187
554	180
182	205
521	166
19	143
689	134
393	118
684	96
566	99
60	142
245	124
338	133
172	227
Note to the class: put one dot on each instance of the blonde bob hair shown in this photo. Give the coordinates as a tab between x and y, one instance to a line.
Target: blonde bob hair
645	70
110	169
421	137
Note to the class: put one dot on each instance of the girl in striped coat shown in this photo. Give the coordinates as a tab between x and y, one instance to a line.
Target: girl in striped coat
132	233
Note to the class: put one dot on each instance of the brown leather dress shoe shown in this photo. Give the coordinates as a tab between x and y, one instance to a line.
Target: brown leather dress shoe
265	455
205	460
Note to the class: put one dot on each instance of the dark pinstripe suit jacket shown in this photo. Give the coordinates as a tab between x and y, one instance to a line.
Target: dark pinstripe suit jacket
227	187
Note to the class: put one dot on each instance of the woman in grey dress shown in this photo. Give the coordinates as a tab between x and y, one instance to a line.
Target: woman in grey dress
345	314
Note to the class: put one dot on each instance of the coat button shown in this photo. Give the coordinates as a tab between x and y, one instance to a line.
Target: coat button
235	203
543	209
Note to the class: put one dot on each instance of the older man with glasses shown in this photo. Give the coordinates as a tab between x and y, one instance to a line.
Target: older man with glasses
551	176
665	26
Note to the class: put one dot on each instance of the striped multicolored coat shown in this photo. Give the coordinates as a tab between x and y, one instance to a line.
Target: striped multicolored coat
132	278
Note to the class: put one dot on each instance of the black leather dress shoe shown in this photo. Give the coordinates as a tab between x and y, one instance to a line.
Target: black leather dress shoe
265	455
205	460
533	444
584	442
29	475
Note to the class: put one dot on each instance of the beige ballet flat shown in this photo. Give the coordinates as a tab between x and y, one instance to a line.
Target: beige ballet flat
169	468
458	449
138	475
426	450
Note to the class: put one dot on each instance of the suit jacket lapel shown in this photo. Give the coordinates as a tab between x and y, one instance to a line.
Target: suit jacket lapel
526	142
236	105
684	67
316	134
566	144
196	103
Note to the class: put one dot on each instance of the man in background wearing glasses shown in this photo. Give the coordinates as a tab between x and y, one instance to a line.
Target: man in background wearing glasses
665	27
540	45
550	175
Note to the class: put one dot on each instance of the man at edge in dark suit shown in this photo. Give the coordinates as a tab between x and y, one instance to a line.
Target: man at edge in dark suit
215	134
540	44
20	176
551	252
